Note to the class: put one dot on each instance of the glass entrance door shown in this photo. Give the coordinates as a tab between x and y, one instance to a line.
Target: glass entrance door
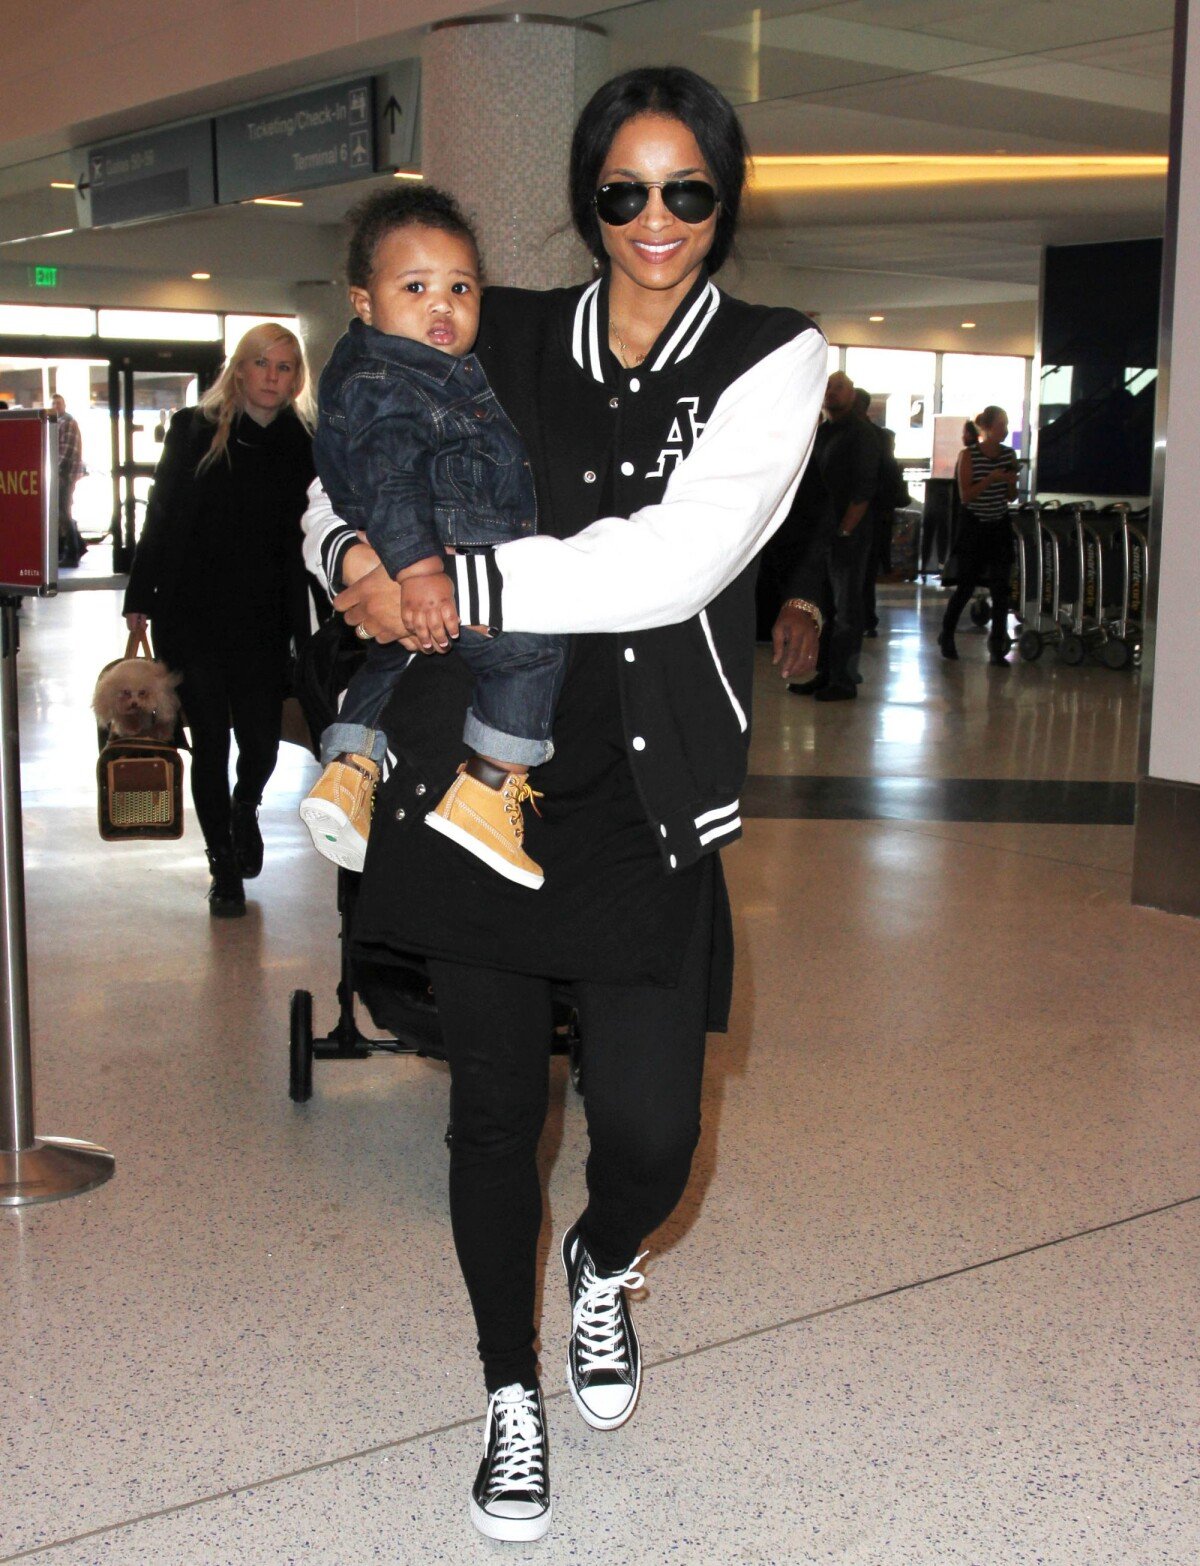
141	405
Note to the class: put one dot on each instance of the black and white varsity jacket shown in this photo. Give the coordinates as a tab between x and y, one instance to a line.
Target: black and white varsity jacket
701	447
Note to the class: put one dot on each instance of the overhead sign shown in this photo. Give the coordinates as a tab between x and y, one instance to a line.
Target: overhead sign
42	276
321	136
397	115
28	502
154	174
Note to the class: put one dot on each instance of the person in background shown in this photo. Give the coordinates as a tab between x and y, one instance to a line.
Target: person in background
219	574
986	481
71	546
848	452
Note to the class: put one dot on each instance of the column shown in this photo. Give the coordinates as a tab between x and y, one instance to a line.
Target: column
499	97
1167	836
323	310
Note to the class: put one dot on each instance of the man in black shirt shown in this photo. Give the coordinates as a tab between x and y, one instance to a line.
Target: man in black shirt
848	454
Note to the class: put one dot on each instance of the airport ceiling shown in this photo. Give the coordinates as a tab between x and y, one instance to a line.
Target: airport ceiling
870	77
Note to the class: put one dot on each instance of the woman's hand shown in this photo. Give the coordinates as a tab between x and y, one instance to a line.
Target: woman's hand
374	602
358	560
795	637
136	624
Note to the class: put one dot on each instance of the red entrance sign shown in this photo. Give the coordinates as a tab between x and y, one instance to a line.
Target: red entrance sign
28	502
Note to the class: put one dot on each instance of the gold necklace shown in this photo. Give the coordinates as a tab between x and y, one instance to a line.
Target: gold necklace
628	358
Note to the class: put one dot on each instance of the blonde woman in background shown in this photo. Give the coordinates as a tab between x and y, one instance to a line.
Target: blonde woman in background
219	575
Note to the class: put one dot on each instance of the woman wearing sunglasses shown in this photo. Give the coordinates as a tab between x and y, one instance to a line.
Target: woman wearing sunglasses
667	425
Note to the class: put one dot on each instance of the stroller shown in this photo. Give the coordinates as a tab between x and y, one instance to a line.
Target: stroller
397	995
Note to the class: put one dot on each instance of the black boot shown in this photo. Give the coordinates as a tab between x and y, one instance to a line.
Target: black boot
946	643
226	897
247	839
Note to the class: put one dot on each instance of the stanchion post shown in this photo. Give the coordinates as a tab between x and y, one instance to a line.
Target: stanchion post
31	1169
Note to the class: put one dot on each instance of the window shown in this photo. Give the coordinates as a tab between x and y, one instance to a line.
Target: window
903	380
20	320
236	326
165	326
972	382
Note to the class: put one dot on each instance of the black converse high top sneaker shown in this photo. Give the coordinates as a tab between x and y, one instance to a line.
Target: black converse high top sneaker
511	1495
604	1362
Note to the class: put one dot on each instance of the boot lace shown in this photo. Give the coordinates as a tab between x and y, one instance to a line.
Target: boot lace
519	1461
596	1317
517	792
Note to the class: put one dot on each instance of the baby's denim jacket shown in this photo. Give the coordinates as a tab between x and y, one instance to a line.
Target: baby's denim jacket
413	448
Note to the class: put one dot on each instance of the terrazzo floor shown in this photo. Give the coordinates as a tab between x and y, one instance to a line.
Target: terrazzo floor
931	1296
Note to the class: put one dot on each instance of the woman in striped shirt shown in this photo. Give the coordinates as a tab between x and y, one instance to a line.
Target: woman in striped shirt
987	481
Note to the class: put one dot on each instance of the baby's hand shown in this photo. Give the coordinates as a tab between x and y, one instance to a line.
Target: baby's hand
428	610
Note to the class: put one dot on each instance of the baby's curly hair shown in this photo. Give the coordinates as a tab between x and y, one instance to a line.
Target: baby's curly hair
407	206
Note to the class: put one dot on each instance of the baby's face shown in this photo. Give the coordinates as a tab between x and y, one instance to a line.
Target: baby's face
425	286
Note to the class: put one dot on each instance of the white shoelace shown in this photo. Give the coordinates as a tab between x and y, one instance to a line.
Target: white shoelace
596	1318
520	1452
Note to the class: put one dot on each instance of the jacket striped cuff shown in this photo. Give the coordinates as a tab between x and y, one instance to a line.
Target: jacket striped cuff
478	587
333	551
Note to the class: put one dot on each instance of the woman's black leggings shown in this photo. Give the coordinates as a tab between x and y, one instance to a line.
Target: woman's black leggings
223	689
643	1059
985	556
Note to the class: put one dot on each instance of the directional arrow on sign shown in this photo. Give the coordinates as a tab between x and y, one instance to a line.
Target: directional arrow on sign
392	112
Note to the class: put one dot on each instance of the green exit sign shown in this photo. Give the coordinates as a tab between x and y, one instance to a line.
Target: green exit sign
43	276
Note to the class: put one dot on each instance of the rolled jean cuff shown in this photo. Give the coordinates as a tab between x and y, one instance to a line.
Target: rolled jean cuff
515	749
352	739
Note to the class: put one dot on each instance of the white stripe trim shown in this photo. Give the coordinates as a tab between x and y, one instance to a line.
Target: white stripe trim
743	721
594	337
721	831
577	329
715	815
700	330
682	329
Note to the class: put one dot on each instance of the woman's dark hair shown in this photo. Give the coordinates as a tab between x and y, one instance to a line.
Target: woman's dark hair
405	206
676	94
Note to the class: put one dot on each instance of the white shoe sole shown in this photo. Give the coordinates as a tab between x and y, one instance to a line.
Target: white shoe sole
586	1414
518	1530
483	853
332	834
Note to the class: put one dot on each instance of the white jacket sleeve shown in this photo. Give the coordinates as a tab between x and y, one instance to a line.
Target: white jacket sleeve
326	538
667	561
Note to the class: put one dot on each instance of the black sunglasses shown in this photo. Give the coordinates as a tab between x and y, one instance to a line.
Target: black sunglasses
691	200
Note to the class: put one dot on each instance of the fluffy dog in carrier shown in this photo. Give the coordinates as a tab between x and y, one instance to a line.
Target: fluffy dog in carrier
135	698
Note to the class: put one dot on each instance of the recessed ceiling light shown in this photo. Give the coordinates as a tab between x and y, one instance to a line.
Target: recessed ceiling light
61	184
968	326
874	318
201	277
408	174
275	201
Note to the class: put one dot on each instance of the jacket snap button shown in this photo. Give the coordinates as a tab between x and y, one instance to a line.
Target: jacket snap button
663	830
635	384
627	469
614	402
419	790
629	655
589	477
638	742
399	815
674	861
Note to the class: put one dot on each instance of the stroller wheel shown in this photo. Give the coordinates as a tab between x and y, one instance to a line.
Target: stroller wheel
981	611
1072	650
301	1056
